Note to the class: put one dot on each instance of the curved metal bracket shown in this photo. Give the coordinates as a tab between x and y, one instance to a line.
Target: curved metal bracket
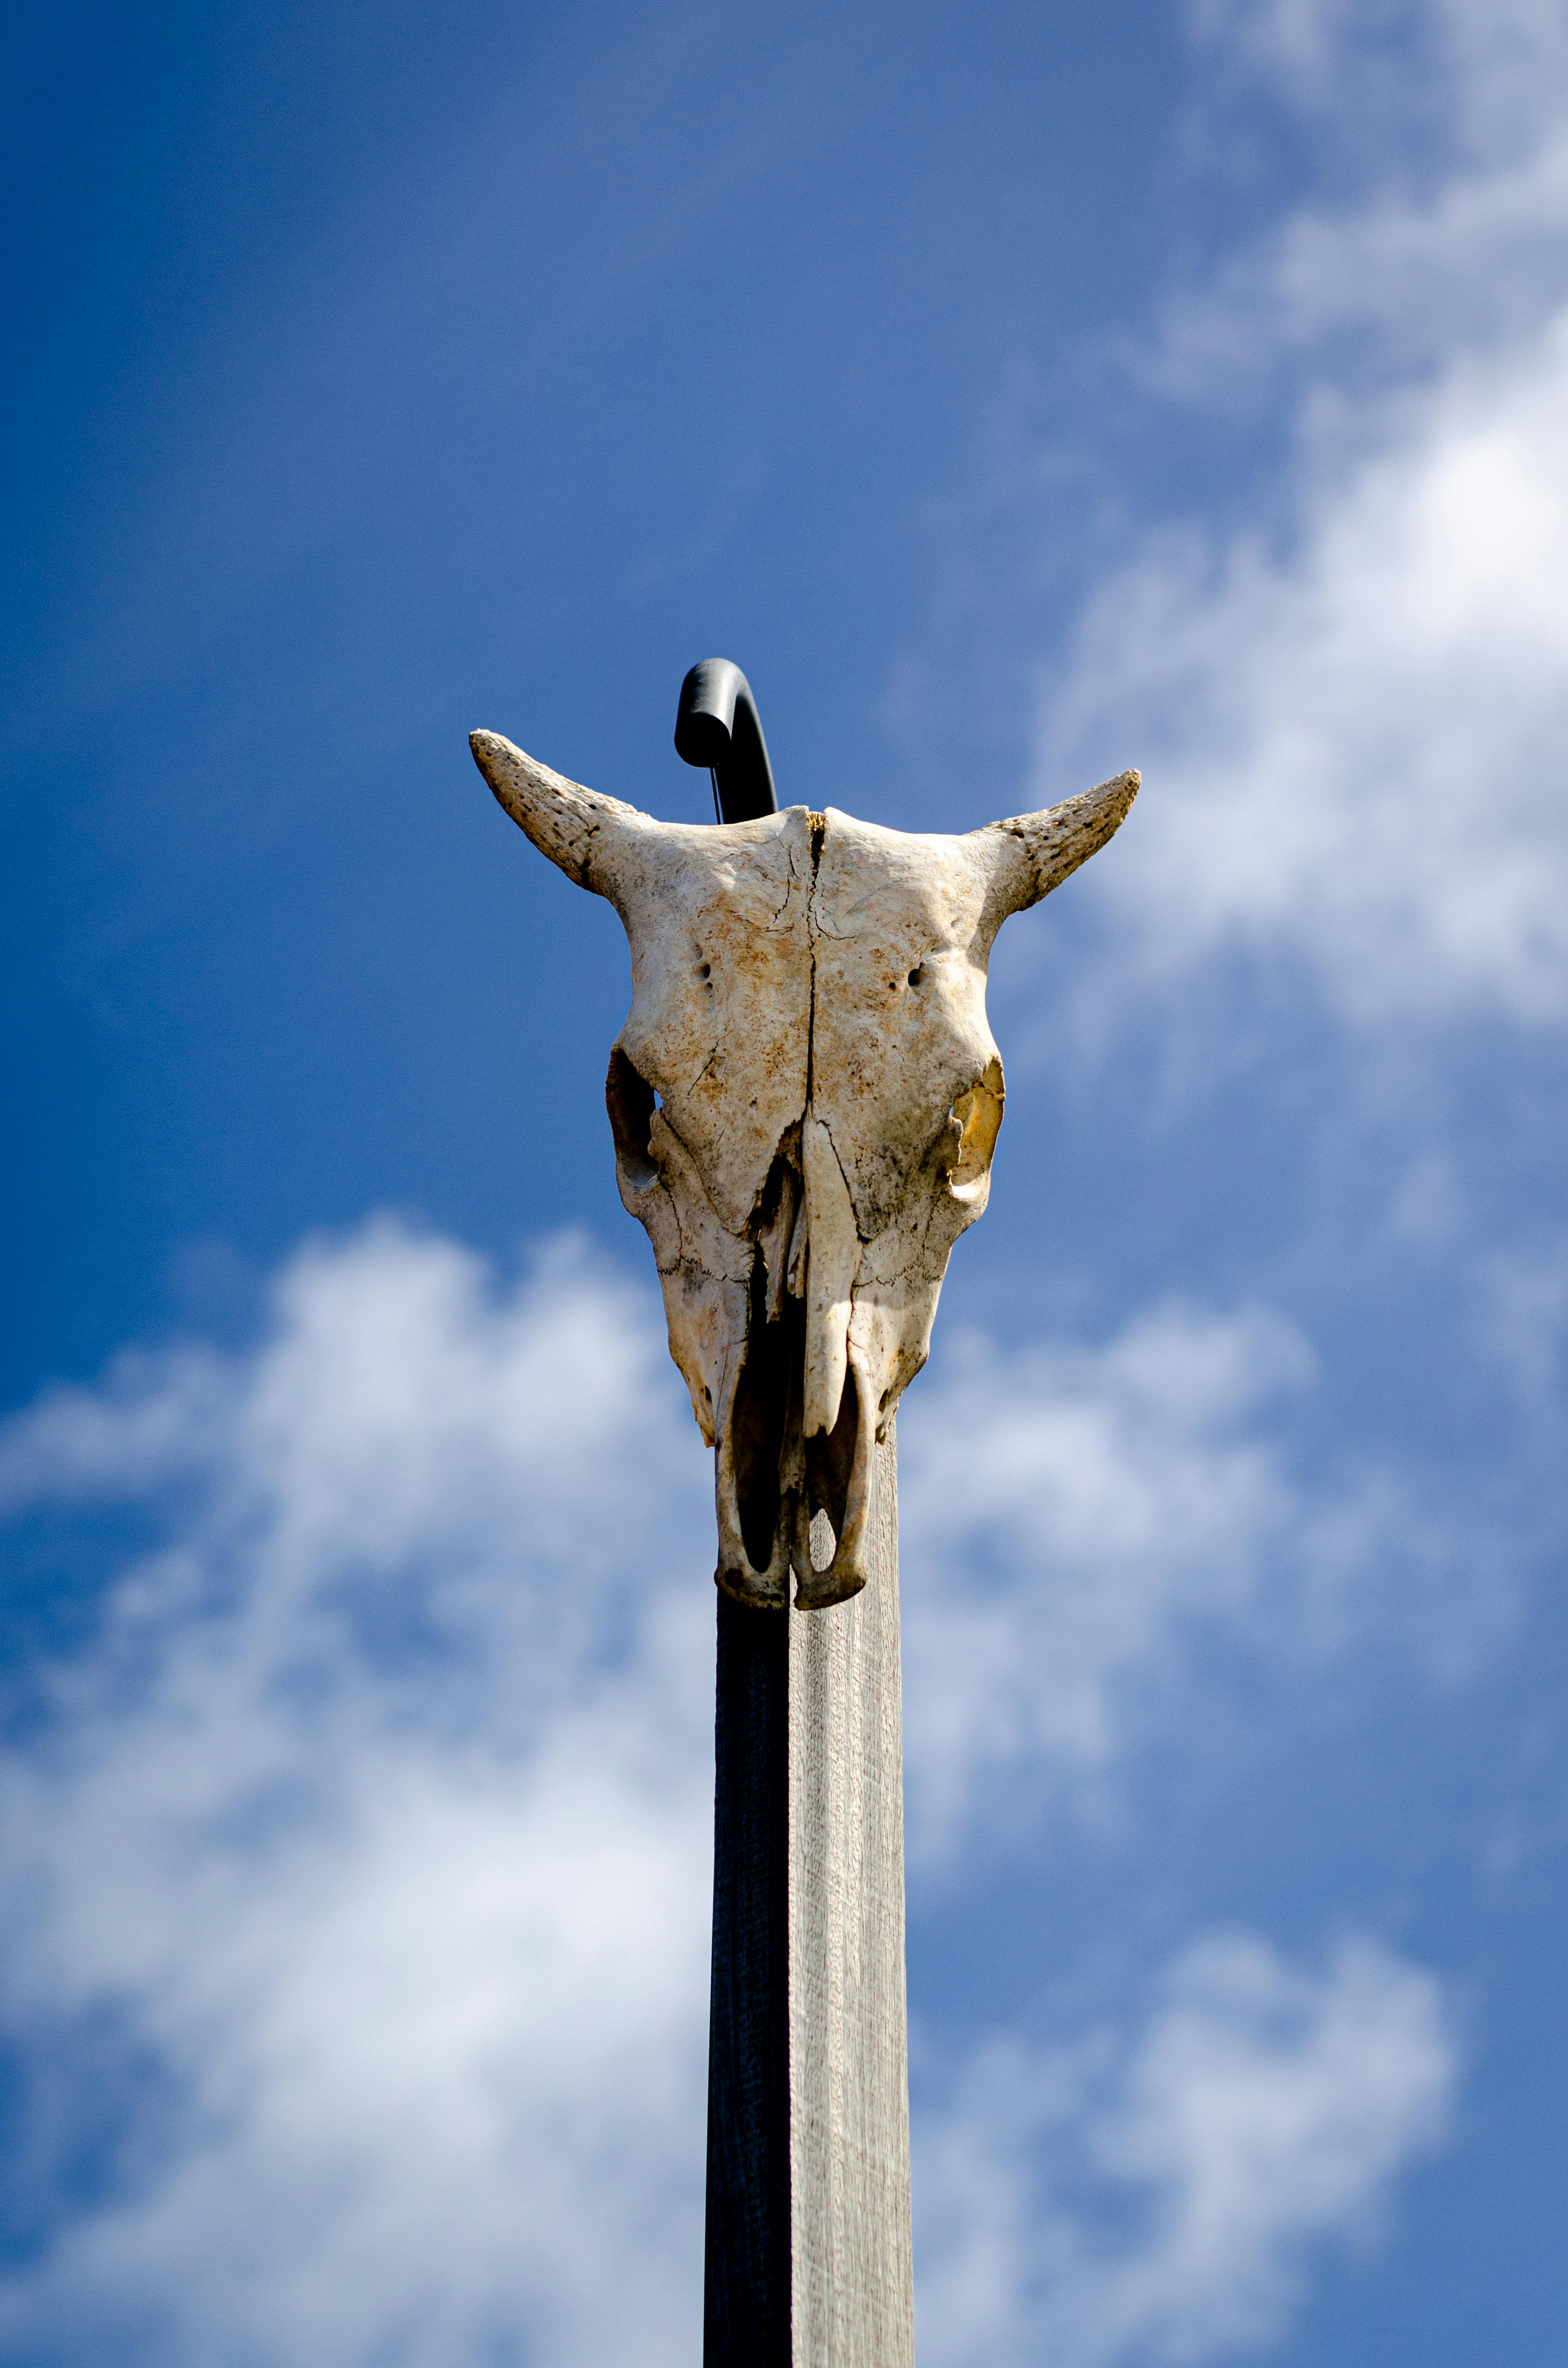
716	725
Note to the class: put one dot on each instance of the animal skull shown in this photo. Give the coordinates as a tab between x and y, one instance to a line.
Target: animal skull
805	1099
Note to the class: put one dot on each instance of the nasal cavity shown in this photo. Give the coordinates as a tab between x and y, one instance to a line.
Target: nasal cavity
631	1102
830	1463
768	1389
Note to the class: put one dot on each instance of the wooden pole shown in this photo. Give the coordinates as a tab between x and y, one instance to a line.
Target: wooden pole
808	2256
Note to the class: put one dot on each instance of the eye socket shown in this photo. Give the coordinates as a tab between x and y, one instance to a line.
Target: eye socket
632	1101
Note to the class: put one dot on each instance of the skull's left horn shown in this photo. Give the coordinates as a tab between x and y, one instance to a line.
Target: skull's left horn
1033	853
597	841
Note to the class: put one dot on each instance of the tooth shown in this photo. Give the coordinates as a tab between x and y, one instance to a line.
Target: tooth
831	1259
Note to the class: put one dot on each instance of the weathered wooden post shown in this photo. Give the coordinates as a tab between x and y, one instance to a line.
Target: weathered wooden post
805	1099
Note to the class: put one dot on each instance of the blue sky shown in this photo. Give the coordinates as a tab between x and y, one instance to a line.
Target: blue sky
1017	396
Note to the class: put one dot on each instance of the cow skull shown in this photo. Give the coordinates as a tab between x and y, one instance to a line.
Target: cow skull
805	1099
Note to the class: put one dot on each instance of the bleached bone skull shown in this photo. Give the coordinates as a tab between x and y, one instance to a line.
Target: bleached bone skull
805	1099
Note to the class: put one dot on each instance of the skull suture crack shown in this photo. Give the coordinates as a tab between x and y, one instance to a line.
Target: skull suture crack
805	1099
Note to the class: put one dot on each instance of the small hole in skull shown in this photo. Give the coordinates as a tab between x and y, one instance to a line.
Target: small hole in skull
824	1545
704	969
917	974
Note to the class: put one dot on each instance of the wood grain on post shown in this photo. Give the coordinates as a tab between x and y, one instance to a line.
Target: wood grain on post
852	2291
809	2252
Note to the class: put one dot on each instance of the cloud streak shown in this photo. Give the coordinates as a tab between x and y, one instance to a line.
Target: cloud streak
358	1866
1080	1523
374	1832
1258	2111
1351	727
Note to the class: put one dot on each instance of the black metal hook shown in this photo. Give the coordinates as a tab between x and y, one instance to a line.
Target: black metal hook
716	725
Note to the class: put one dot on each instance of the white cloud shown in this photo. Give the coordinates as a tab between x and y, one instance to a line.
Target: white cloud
356	1872
1076	1520
1354	752
1445	89
1377	294
375	1832
1352	723
1258	2111
1524	1297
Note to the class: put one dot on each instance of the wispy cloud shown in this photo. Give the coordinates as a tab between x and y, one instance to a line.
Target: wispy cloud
1080	1521
1352	722
1259	2111
1524	1301
356	1869
372	1839
1352	750
1440	133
